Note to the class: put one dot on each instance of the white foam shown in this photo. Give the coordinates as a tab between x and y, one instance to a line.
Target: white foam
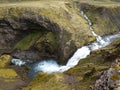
47	66
79	54
18	62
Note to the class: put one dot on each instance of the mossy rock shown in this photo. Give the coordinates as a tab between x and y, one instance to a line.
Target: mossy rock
4	60
8	73
117	68
27	41
47	42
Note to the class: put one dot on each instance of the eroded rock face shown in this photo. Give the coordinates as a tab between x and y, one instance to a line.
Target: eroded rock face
31	38
34	37
48	31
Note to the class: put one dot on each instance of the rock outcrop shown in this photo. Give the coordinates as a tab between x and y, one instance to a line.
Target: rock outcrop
110	80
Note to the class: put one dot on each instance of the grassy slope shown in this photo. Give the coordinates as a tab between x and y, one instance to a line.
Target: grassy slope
103	14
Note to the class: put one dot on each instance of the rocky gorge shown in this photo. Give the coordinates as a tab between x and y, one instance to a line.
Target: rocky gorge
37	30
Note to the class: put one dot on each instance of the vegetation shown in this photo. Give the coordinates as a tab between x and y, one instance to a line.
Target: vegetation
4	60
8	73
27	41
48	82
61	12
5	72
47	42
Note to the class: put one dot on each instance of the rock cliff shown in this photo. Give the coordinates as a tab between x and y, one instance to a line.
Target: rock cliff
41	29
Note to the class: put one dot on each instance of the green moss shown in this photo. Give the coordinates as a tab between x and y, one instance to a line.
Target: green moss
8	73
47	42
117	68
28	41
115	77
51	38
48	82
4	60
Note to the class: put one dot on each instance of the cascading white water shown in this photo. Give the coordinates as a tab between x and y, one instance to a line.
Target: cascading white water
18	62
46	66
52	66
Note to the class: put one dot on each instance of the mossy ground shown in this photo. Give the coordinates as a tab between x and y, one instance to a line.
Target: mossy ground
47	42
48	82
4	60
6	72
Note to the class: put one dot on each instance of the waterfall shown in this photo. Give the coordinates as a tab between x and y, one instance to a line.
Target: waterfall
52	66
83	52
